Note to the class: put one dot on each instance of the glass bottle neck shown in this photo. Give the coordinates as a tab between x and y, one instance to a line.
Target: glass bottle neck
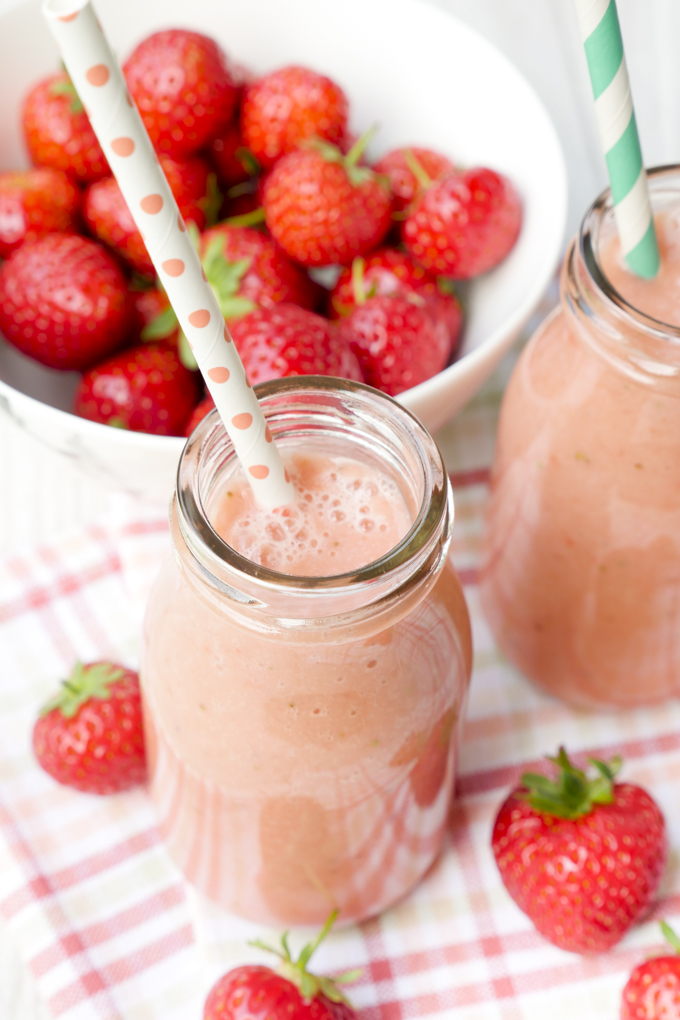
317	414
632	340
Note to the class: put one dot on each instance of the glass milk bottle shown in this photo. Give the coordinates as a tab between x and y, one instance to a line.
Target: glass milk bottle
303	730
581	568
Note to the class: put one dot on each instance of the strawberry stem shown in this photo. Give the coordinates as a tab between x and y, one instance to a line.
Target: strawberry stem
85	682
359	147
249	219
358	285
572	794
670	936
309	985
417	169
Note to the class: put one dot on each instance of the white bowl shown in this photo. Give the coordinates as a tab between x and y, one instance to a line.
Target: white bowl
423	76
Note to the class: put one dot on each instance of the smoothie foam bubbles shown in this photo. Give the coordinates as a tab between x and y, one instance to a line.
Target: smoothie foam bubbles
345	515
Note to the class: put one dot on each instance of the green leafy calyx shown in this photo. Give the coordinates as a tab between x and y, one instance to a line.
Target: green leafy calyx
572	794
65	87
670	936
295	971
357	174
224	277
84	683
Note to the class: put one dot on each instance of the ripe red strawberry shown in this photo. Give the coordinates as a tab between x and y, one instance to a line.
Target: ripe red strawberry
266	276
110	220
388	271
288	340
233	161
204	407
582	857
58	133
63	301
410	172
245	268
323	208
287	107
653	988
290	993
145	389
465	224
90	735
398	342
184	88
34	203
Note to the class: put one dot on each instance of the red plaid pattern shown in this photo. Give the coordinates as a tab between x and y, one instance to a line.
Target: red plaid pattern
109	928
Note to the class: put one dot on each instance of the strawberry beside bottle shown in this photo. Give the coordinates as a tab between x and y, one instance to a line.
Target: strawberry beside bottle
582	857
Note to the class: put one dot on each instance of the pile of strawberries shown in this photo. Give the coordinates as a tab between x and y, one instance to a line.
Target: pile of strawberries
272	184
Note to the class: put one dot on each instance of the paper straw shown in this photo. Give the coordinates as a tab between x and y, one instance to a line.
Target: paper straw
599	23
99	82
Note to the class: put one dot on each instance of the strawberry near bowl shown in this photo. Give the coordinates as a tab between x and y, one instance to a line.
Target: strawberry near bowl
460	97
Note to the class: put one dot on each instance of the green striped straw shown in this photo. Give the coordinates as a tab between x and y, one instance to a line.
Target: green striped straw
601	35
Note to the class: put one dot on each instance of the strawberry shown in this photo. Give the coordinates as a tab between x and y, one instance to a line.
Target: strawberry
653	988
245	268
388	271
204	407
63	301
58	133
184	88
90	735
145	389
323	207
410	172
151	306
109	219
254	992
233	161
287	340
397	340
465	224
582	857
34	203
290	106
266	276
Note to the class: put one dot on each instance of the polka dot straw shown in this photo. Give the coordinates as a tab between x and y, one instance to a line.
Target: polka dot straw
99	82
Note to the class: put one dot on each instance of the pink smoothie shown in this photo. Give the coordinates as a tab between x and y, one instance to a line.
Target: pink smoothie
581	574
345	516
305	768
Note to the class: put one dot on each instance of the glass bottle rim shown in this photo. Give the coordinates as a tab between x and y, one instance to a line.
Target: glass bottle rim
213	552
588	247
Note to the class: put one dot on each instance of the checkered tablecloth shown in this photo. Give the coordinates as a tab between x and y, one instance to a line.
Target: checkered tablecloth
106	925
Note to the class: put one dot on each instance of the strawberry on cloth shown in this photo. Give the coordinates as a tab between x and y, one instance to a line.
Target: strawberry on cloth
291	992
34	203
653	989
323	207
90	735
583	858
184	88
465	224
290	106
64	301
144	389
58	132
